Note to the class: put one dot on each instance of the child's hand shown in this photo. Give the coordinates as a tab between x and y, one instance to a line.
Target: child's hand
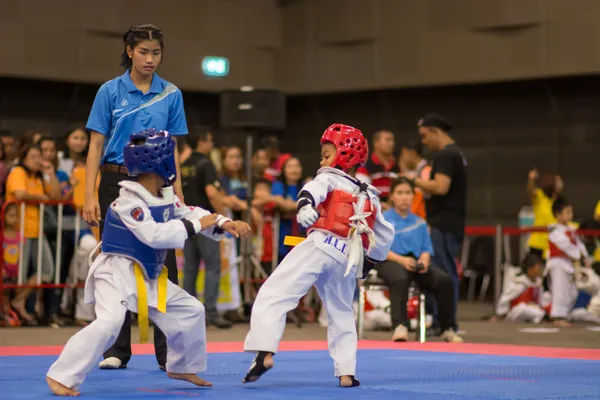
534	174
208	220
237	228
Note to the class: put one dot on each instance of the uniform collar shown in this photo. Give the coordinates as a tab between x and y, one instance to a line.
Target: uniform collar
155	88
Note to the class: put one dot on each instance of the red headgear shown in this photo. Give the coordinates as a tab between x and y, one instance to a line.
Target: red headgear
351	146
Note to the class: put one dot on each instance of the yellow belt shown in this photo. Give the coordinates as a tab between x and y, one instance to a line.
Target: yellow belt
293	240
142	295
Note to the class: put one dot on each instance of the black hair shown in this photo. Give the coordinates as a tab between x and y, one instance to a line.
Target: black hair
137	34
264	181
531	260
377	135
200	134
23	152
402	181
6	133
2	152
415	145
559	205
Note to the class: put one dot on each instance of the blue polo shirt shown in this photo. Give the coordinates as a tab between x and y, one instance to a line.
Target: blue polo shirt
411	234
121	109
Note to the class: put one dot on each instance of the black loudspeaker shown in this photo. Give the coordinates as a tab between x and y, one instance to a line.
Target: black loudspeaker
260	109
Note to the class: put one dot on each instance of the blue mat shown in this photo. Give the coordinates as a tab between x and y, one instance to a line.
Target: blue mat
308	375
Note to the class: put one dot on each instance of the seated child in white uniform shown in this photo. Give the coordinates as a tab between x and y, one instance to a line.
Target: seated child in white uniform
523	298
141	224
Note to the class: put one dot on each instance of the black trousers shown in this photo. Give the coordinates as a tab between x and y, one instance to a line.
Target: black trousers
107	193
434	280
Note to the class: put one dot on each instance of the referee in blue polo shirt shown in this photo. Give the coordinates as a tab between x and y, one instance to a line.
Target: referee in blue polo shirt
137	100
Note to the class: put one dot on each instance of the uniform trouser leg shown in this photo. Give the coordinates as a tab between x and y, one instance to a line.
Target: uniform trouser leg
108	191
337	293
281	293
82	351
184	326
564	292
524	312
160	341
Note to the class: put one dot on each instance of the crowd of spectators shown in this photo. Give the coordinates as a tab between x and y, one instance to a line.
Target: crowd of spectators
423	186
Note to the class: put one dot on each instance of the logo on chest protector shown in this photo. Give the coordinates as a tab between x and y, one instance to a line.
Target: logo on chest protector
336	243
137	214
166	214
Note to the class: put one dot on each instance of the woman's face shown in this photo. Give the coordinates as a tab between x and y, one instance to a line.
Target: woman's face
33	160
77	141
145	56
402	196
260	160
233	160
292	171
48	150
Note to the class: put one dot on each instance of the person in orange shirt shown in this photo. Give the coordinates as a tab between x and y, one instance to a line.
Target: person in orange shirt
411	160
26	182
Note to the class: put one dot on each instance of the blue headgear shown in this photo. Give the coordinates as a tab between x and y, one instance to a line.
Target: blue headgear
151	151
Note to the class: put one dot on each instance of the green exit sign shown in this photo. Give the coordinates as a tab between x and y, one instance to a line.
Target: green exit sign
215	66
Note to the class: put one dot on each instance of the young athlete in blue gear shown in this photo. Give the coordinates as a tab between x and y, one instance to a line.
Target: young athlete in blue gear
141	224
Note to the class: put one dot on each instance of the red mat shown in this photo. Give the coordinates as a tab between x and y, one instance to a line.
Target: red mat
465	348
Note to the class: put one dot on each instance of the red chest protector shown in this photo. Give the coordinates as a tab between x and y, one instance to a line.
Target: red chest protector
335	213
555	251
529	295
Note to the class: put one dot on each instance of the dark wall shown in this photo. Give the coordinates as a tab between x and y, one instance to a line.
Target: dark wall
505	129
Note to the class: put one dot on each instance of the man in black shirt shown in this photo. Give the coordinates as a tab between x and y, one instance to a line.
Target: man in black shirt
201	188
446	194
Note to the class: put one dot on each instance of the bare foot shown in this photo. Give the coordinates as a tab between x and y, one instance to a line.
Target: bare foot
192	378
561	323
348	381
59	389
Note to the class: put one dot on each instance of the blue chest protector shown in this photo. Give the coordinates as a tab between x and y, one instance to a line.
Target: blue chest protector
117	239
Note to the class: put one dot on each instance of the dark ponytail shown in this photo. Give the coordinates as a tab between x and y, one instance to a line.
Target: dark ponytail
137	34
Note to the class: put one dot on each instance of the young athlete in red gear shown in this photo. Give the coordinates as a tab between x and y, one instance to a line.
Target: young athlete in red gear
347	235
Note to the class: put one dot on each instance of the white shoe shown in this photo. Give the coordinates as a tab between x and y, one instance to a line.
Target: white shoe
400	334
451	337
111	363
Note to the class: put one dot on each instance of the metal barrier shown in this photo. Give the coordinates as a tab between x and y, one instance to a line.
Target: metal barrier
76	227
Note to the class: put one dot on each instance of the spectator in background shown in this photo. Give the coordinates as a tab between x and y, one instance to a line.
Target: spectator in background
410	260
411	159
381	167
48	147
233	182
10	151
26	183
275	157
4	169
184	149
284	195
75	151
260	163
446	204
201	188
542	191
